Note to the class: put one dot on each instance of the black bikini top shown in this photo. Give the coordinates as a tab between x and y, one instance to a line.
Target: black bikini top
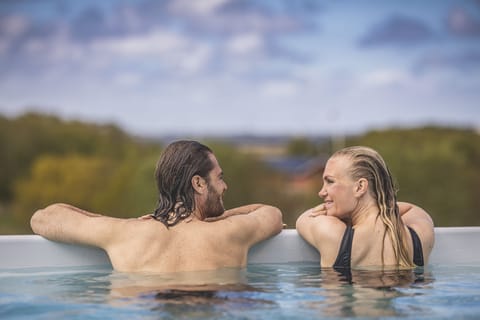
345	253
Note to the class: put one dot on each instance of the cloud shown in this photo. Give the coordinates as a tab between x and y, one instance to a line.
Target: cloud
162	50
152	43
227	17
298	7
91	23
128	79
397	30
245	43
385	78
195	60
198	7
228	22
467	61
462	23
188	35
12	26
279	89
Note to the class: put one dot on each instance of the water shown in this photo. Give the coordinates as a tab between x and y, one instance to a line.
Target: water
266	291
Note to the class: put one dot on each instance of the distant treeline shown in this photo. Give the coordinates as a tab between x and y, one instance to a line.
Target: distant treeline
436	168
101	168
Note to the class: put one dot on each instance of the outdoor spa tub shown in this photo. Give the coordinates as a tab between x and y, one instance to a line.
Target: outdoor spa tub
41	279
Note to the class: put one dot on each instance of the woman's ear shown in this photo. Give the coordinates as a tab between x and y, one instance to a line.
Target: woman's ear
361	186
199	184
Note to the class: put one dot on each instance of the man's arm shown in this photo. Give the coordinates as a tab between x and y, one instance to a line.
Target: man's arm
65	223
235	211
252	223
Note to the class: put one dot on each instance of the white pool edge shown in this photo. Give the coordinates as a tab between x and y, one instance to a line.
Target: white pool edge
453	246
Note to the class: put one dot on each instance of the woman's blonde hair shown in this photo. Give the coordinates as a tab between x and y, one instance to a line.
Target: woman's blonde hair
369	164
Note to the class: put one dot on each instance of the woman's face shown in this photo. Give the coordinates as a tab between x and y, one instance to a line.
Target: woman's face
338	191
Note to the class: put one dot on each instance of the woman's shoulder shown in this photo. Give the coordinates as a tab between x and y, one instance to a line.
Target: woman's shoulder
327	232
329	225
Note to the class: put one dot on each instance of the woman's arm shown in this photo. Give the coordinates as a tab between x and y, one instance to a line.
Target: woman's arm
412	214
322	232
419	220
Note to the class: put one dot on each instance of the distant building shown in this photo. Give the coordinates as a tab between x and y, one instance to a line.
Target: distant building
303	174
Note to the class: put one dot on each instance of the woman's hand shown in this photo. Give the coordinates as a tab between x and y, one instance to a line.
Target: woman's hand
146	217
319	210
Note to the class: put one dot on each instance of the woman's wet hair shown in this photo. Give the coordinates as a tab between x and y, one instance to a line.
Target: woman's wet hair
369	164
178	164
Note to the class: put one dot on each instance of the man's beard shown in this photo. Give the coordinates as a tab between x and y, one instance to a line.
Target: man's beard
214	204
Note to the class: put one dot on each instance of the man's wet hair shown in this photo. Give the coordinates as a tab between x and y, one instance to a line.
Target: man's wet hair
178	164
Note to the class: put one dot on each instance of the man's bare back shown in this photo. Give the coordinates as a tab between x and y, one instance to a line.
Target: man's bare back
206	237
146	245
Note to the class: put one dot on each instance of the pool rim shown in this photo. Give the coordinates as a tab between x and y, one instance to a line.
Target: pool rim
453	246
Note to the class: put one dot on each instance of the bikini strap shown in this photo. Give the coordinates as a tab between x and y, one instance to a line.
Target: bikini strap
417	248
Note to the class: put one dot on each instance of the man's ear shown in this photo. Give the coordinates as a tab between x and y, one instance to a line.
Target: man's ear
361	186
199	184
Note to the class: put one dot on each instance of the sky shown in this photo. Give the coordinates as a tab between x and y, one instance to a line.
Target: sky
289	67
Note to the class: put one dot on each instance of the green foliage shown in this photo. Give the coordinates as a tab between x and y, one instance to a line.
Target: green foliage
97	184
436	168
301	146
246	177
249	180
102	169
73	179
98	168
23	139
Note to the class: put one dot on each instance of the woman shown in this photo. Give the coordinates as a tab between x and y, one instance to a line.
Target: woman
360	224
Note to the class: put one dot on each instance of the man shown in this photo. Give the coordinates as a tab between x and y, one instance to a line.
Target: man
190	230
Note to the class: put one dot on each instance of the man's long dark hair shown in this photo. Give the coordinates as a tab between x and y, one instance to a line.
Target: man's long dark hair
178	164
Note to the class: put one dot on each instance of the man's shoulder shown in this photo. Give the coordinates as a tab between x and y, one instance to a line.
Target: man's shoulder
253	220
244	229
134	229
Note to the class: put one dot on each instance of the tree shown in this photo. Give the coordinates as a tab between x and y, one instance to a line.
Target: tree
436	168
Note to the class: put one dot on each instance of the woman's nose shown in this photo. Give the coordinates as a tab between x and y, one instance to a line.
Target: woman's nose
322	193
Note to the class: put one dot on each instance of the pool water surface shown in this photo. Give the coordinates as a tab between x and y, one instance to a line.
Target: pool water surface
262	291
